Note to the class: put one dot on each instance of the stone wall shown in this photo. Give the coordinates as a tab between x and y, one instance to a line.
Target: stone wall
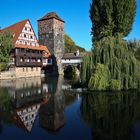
7	75
27	72
21	72
51	34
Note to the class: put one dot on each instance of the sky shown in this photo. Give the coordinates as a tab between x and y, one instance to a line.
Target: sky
75	13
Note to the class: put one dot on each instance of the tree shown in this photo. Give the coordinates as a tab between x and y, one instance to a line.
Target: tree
124	12
111	17
70	46
6	45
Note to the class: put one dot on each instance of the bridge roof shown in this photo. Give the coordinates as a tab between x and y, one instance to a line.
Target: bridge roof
73	56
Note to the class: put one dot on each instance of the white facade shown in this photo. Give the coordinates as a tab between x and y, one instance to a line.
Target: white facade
72	61
47	61
28	115
27	36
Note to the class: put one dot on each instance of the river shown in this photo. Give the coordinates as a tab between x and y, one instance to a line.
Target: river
48	109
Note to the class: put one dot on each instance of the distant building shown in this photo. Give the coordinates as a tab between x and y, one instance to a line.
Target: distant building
73	58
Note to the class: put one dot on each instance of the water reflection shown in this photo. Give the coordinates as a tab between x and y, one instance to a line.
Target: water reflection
22	99
38	106
111	115
51	113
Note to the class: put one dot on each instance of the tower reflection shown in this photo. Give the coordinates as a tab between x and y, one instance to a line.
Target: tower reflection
51	113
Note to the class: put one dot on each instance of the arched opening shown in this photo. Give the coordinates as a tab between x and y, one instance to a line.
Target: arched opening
71	71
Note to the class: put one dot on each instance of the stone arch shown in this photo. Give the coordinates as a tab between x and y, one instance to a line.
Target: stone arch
77	70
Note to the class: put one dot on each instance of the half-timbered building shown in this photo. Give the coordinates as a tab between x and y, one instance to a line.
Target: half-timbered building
27	57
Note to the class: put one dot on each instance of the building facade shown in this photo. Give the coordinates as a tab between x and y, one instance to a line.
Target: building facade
51	34
28	57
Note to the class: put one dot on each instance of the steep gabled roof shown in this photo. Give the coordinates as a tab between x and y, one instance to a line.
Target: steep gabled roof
50	16
16	29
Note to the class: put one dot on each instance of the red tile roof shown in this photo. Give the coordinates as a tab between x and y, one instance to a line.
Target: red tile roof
16	29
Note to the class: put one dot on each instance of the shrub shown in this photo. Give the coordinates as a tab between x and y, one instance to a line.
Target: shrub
100	78
115	84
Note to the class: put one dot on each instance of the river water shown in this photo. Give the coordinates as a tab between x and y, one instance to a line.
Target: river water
47	109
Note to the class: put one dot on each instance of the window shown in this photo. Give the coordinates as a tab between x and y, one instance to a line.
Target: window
30	30
39	60
31	37
28	60
22	50
21	59
25	29
24	35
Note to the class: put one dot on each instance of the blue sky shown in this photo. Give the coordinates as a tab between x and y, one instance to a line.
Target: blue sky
74	12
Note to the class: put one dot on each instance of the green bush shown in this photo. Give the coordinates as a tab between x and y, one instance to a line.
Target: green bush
121	62
115	84
3	66
100	78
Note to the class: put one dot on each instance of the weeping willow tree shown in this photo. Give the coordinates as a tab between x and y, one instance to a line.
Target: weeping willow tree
87	68
113	65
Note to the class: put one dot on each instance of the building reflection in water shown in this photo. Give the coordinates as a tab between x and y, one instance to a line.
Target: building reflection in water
30	96
51	113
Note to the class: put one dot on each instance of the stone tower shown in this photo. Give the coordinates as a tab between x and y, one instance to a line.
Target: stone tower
51	34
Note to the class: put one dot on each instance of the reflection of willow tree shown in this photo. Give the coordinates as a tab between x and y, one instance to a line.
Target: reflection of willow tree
6	109
5	101
110	115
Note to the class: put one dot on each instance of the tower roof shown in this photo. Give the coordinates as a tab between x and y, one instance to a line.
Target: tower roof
50	16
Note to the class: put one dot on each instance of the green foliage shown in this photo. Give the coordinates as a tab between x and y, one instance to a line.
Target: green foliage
6	45
135	47
111	21
115	84
121	62
3	66
87	68
5	100
70	46
111	17
100	78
